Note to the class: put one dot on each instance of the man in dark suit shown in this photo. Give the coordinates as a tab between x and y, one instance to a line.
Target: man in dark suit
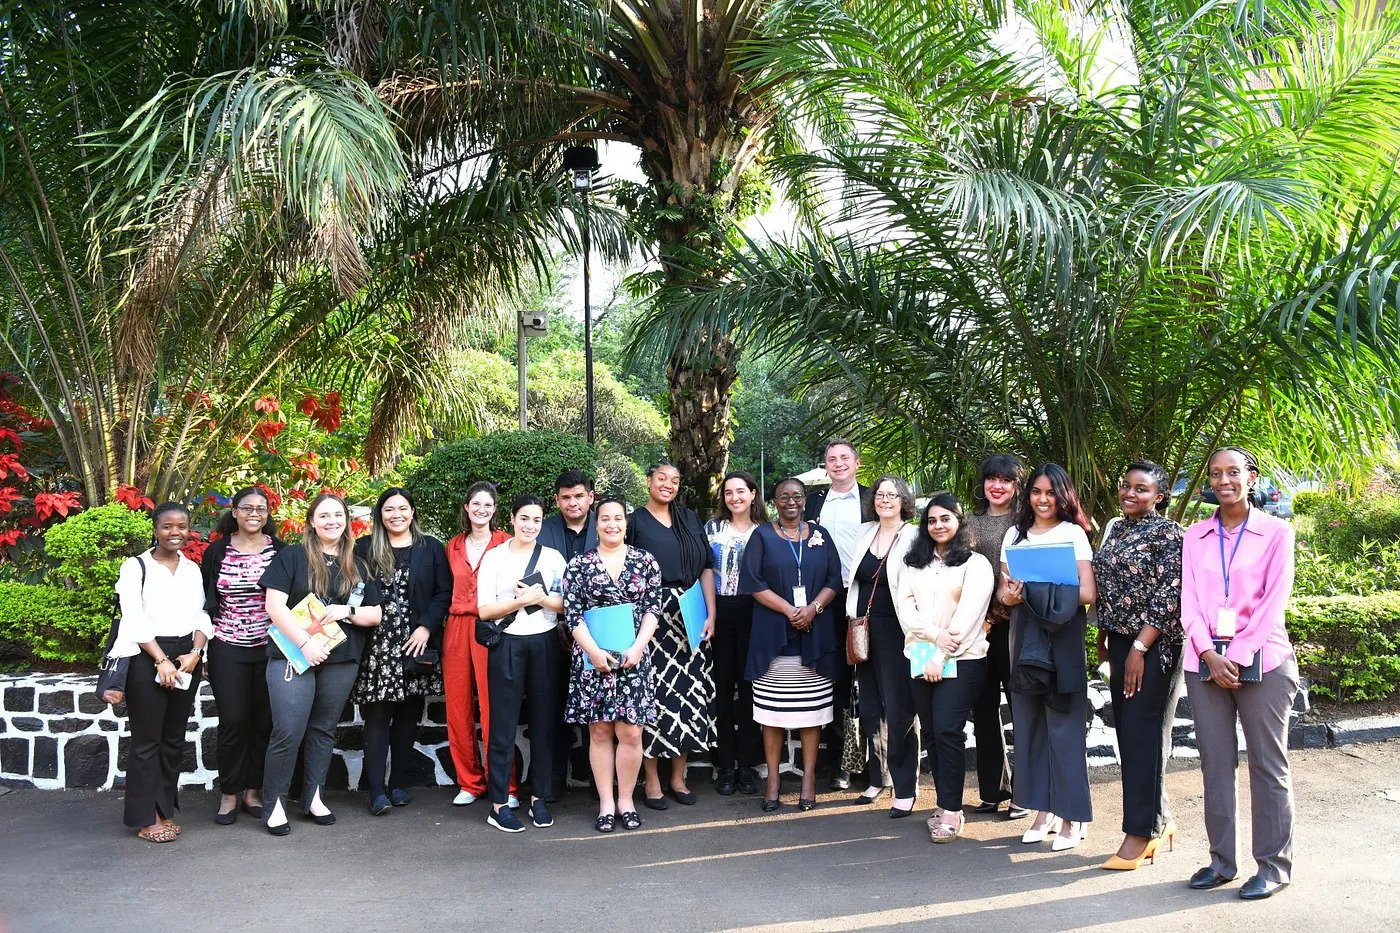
841	509
571	531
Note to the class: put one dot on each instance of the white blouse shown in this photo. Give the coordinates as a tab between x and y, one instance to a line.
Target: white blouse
503	567
168	605
940	598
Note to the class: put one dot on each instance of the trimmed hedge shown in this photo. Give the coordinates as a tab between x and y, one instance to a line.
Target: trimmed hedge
517	461
1348	646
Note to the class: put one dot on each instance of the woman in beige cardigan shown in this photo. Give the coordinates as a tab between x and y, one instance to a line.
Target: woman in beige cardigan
886	706
942	596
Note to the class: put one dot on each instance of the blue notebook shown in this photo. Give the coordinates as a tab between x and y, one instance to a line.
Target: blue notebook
613	628
693	613
1042	563
290	651
920	653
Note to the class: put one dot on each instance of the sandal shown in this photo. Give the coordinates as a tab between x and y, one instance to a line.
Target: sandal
941	832
162	833
631	820
167	821
604	823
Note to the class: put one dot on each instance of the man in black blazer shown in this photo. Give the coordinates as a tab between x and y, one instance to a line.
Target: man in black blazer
841	509
571	531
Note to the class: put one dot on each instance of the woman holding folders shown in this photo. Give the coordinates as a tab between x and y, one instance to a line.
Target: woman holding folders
1236	577
613	695
738	740
306	706
399	669
999	484
232	567
1050	687
464	679
685	689
163	629
520	586
942	598
886	701
793	570
1138	572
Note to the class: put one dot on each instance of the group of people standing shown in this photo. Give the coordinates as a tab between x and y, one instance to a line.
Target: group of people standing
844	611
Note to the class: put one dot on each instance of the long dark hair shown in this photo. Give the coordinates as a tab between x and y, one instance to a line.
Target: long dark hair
695	548
464	522
1067	507
381	552
1003	466
924	550
758	513
227	524
318	574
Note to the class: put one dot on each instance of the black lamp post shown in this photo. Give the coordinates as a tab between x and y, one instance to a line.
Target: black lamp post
582	162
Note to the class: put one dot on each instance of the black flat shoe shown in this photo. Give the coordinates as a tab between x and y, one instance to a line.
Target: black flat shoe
870	798
604	823
806	803
986	808
1257	889
769	805
1017	813
898	814
727	783
655	803
631	820
748	782
254	812
327	820
683	797
841	780
226	819
282	830
1208	878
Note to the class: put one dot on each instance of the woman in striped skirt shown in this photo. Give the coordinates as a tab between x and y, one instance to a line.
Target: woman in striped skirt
793	570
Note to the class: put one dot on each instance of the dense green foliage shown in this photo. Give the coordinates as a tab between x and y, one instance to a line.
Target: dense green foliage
518	462
1348	646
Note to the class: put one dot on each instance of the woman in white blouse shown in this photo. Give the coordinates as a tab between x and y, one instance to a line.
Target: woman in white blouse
942	599
163	629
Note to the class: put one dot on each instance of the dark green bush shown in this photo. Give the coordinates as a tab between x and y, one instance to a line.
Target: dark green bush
52	622
1308	502
1340	525
518	461
1348	646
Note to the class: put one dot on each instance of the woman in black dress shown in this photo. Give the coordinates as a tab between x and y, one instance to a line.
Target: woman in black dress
685	689
616	696
394	683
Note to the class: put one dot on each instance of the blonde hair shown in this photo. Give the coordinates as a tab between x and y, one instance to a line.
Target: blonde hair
318	574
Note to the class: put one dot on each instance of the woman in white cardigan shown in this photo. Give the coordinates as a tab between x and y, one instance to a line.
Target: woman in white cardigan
886	706
942	595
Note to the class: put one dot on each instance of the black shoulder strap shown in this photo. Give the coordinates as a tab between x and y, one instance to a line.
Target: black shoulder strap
534	559
117	619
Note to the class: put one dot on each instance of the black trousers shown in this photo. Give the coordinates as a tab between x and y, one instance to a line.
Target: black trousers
566	731
739	742
390	730
157	718
1144	727
521	670
988	729
833	735
944	708
238	675
887	709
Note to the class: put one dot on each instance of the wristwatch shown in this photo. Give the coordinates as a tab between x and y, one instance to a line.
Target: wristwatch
1139	646
352	612
821	606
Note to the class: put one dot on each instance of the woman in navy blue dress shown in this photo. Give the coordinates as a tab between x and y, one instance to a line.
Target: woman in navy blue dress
793	571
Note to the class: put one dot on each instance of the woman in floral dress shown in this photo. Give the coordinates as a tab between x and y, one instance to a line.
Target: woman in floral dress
615	695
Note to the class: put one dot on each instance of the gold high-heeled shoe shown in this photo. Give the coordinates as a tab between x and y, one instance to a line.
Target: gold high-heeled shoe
1148	854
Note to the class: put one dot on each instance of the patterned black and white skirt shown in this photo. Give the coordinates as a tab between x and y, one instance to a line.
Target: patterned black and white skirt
791	696
685	689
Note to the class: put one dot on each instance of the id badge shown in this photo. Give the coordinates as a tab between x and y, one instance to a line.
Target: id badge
799	597
1225	622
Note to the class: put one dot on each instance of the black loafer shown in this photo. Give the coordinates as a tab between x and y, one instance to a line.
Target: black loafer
327	820
748	782
655	803
727	783
1017	813
282	830
226	819
1257	889
254	812
986	807
1208	878
841	780
683	797
769	805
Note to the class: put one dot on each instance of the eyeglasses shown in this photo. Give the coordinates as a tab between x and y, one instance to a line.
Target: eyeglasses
253	509
887	496
791	497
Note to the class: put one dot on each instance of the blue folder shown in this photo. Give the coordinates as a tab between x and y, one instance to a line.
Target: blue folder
292	653
1043	563
920	653
613	628
693	613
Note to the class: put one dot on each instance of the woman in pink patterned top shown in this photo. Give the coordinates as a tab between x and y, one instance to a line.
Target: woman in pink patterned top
231	567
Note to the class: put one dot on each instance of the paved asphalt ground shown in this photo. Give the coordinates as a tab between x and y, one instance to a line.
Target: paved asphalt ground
66	863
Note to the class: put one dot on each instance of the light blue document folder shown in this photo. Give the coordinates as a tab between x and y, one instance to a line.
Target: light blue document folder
613	628
693	613
920	653
1043	563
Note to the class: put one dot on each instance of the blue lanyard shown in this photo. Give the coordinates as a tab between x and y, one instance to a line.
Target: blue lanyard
795	548
1225	567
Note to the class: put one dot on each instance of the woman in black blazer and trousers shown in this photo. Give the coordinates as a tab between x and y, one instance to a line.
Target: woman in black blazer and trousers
400	669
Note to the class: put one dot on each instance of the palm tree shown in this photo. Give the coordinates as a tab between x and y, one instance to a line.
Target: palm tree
1081	262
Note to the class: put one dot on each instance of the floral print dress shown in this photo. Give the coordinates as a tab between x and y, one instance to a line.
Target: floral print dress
383	678
618	696
1138	572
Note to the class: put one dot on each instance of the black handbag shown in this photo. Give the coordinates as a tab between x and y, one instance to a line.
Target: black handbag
489	634
112	671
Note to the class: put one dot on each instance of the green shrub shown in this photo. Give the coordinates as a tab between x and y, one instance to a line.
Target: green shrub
1373	567
52	622
518	461
1307	502
1340	525
1348	646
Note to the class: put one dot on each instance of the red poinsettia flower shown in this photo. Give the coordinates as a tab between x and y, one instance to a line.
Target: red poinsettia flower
265	431
333	399
359	526
133	498
9	495
10	465
353	464
12	436
308	405
289	527
274	501
267	404
49	504
297	493
10	537
306	466
333	491
328	419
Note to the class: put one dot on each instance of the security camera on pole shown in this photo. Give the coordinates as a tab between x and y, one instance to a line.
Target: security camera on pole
528	324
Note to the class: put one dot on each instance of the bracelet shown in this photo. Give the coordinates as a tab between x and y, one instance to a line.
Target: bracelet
163	660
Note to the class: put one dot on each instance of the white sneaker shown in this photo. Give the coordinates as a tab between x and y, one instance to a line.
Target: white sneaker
513	802
463	798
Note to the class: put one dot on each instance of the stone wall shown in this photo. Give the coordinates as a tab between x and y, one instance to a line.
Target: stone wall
55	733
